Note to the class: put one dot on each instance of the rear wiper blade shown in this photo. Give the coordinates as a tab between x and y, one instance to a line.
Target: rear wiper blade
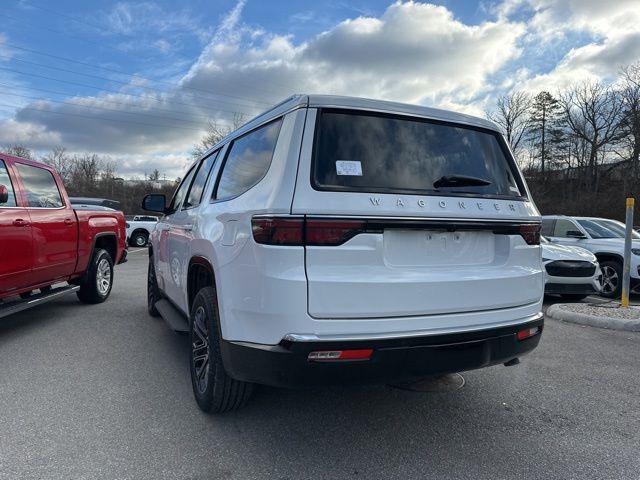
460	181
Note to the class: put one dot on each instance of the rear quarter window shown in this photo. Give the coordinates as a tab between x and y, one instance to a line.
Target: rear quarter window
371	152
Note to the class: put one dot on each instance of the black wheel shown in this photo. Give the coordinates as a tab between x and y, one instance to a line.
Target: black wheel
574	297
46	289
98	280
611	279
214	389
25	295
153	293
139	239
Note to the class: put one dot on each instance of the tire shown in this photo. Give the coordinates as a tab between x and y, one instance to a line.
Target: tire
215	391
46	289
25	295
611	279
153	292
139	239
574	297
97	282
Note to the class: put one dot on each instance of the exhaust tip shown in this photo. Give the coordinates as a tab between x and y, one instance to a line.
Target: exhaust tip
512	362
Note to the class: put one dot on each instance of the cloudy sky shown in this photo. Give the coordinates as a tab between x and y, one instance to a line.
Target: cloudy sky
138	81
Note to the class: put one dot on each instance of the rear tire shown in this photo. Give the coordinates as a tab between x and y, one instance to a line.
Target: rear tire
214	389
574	297
611	279
153	292
97	282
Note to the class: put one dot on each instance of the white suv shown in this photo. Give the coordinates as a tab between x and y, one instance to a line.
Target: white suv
604	238
334	240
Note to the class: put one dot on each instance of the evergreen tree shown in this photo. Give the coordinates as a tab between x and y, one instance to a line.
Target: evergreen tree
545	133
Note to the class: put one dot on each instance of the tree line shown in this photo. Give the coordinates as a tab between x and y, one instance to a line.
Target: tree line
92	175
579	147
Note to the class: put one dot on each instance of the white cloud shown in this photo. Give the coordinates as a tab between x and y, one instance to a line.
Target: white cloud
412	52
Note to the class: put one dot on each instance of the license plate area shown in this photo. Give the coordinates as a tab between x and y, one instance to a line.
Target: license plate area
438	248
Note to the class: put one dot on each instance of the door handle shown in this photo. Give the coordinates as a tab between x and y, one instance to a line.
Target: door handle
187	227
19	222
68	222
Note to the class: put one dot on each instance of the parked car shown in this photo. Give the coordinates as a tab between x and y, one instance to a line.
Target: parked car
139	229
571	272
604	238
46	242
343	240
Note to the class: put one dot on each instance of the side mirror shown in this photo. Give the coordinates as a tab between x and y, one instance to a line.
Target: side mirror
575	234
155	202
4	194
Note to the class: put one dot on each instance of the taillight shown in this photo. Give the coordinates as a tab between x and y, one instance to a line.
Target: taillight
300	231
332	232
278	231
530	233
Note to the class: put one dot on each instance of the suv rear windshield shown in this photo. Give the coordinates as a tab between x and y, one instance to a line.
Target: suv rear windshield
371	152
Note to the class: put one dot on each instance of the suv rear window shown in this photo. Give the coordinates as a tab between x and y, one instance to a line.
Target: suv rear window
371	152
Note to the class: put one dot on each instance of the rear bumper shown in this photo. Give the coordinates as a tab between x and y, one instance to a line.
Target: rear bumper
287	364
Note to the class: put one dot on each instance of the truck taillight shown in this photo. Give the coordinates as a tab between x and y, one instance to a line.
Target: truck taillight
531	233
301	231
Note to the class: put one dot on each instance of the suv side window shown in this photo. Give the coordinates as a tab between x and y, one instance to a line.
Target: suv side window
248	160
40	187
6	181
564	226
200	181
181	191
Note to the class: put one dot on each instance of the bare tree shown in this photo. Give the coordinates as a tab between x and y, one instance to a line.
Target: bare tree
512	116
18	151
630	128
215	133
61	161
592	112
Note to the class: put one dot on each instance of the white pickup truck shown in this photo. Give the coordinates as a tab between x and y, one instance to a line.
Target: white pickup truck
139	229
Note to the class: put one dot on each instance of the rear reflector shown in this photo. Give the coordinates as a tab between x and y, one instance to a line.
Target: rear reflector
528	333
333	355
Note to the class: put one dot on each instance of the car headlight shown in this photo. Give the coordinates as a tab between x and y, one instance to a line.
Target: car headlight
635	251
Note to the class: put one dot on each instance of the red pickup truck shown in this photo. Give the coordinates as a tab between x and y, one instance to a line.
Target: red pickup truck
44	241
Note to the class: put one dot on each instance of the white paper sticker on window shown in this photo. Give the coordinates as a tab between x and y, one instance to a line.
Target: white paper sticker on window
352	168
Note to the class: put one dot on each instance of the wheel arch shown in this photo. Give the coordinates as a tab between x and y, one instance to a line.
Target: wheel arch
199	274
606	257
108	242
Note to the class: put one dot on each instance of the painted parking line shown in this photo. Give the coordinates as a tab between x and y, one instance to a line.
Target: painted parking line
137	250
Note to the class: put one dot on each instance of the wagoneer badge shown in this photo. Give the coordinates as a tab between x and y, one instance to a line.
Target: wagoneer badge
462	205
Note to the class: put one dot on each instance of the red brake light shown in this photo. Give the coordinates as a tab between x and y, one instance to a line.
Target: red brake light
531	233
278	231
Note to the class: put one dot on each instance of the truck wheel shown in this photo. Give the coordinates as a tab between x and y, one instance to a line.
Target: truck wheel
139	239
214	389
611	279
98	280
153	293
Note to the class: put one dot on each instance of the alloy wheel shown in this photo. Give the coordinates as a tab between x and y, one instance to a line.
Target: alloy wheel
200	349
103	276
610	279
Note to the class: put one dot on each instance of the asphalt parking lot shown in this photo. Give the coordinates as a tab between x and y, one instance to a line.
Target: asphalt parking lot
103	392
